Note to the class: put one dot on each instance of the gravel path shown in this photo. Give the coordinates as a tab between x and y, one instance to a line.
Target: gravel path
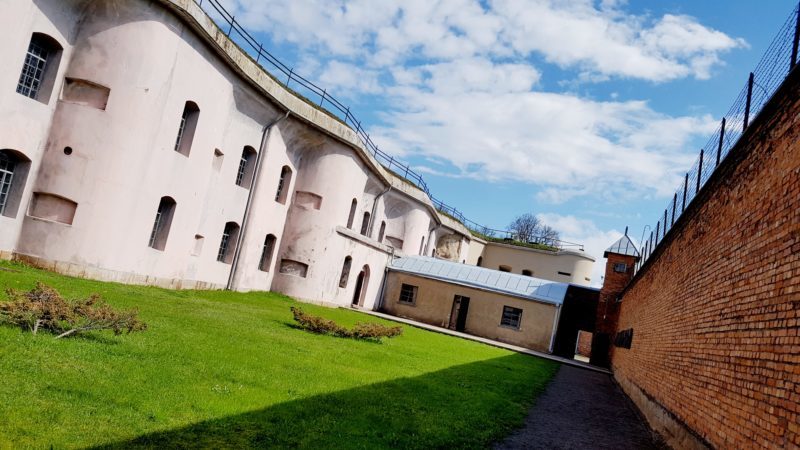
581	409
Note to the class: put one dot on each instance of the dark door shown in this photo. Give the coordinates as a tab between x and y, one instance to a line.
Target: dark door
359	285
458	315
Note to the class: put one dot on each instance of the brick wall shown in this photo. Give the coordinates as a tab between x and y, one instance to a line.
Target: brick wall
584	343
716	312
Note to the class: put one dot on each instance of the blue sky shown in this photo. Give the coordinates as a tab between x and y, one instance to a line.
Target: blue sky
586	113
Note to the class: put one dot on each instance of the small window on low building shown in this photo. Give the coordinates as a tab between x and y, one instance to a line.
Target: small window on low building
527	273
511	317
162	223
504	268
283	185
365	224
227	245
348	261
352	216
620	267
408	294
187	127
247	163
266	253
480	261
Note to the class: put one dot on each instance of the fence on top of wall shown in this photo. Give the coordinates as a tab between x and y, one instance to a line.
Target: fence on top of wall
774	66
329	104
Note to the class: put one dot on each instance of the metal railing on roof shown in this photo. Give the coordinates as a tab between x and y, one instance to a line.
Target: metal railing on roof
773	68
306	89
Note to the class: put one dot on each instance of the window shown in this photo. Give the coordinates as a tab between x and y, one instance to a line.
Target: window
227	245
511	317
480	261
39	68
186	129
266	253
566	274
504	268
527	273
7	166
408	294
244	176
160	232
624	338
283	183
352	215
348	261
381	231
365	224
620	267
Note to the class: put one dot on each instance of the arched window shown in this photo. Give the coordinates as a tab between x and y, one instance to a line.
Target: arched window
504	268
39	69
365	224
381	231
527	273
348	261
244	176
227	245
422	246
160	232
183	143
283	184
352	215
480	260
266	253
13	174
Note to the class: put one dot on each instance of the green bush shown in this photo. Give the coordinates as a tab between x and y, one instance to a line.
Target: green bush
368	331
44	308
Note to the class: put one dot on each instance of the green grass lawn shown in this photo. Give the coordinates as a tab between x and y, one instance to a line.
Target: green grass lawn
221	369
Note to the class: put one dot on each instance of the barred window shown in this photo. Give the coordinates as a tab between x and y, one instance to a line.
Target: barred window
365	224
246	166
186	129
408	294
511	317
283	182
382	231
266	253
348	262
7	165
227	245
32	70
162	224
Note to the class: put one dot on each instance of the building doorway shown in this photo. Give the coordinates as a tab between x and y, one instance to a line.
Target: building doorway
361	287
458	315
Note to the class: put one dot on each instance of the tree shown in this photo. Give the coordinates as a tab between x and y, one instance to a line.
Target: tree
529	228
525	227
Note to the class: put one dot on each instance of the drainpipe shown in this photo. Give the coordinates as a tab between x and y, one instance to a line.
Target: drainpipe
375	208
265	132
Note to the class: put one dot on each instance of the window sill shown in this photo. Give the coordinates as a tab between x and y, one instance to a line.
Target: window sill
509	327
407	304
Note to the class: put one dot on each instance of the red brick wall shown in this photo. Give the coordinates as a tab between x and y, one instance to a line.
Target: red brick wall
584	343
716	312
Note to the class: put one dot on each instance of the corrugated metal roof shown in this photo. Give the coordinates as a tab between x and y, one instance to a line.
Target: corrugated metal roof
623	246
483	278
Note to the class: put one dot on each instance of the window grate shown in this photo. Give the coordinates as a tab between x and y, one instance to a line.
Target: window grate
242	169
511	317
223	245
30	80
266	253
181	129
6	177
156	225
408	294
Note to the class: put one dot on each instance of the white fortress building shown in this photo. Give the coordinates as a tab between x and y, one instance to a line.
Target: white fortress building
139	144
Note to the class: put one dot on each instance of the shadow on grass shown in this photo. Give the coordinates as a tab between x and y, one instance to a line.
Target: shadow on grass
463	406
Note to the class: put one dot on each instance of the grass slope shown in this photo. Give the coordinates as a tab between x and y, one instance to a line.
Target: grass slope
222	369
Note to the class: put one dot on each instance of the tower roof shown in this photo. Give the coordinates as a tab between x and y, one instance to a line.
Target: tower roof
623	246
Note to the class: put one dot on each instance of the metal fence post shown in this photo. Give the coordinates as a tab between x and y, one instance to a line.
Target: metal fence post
796	37
685	187
664	233
233	20
721	137
674	207
658	228
322	100
749	100
699	172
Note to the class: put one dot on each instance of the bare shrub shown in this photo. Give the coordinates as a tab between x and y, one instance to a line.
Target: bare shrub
44	308
369	331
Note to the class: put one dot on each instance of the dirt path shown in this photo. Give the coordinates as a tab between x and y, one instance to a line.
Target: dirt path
581	409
